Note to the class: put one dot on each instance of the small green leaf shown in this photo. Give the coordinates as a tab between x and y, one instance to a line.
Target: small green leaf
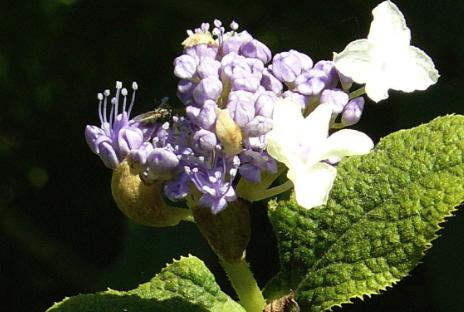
184	285
384	211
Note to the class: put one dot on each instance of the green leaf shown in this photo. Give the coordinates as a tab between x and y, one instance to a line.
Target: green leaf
384	210
184	285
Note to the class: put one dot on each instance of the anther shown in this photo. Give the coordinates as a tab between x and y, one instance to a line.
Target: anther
234	25
118	84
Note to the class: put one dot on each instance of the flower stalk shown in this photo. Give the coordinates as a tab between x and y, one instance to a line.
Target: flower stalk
245	285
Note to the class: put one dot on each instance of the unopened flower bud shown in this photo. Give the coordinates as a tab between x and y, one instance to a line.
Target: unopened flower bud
208	67
185	89
129	138
108	155
208	89
286	66
185	66
271	83
336	98
94	136
241	106
234	43
258	126
353	111
256	49
161	161
264	104
205	140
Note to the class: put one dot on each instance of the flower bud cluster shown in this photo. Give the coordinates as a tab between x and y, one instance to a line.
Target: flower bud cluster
308	84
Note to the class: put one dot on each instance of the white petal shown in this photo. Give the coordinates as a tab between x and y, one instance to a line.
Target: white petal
315	127
347	142
355	61
414	71
282	140
287	114
313	185
388	28
377	88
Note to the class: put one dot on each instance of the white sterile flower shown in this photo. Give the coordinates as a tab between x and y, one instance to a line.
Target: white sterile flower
303	143
386	60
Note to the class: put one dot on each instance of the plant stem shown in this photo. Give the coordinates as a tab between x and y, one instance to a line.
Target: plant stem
357	92
245	285
273	191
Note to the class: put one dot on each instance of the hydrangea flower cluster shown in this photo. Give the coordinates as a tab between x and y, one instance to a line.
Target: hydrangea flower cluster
229	83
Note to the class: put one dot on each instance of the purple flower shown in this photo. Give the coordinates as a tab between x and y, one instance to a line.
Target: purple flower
253	163
177	189
215	183
117	134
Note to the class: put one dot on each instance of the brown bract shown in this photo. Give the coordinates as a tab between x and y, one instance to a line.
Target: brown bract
141	202
228	132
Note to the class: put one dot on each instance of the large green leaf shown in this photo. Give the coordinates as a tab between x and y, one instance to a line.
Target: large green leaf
384	211
184	285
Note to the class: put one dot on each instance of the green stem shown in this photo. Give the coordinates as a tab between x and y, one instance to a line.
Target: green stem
245	285
357	93
273	191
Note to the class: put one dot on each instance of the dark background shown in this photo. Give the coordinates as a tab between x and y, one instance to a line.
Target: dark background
61	233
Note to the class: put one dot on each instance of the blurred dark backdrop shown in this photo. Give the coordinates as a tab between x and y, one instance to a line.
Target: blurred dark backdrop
61	233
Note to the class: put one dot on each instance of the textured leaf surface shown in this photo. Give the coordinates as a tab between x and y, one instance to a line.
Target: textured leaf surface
384	210
184	285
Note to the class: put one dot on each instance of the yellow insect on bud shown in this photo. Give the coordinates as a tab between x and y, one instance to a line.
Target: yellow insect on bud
228	132
198	38
140	202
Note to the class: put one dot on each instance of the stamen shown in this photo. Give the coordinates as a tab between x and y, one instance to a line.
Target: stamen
106	93
204	27
116	103
217	23
100	101
124	94
234	25
135	87
113	104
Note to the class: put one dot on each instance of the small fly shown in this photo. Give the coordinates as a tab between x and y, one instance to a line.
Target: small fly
161	114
